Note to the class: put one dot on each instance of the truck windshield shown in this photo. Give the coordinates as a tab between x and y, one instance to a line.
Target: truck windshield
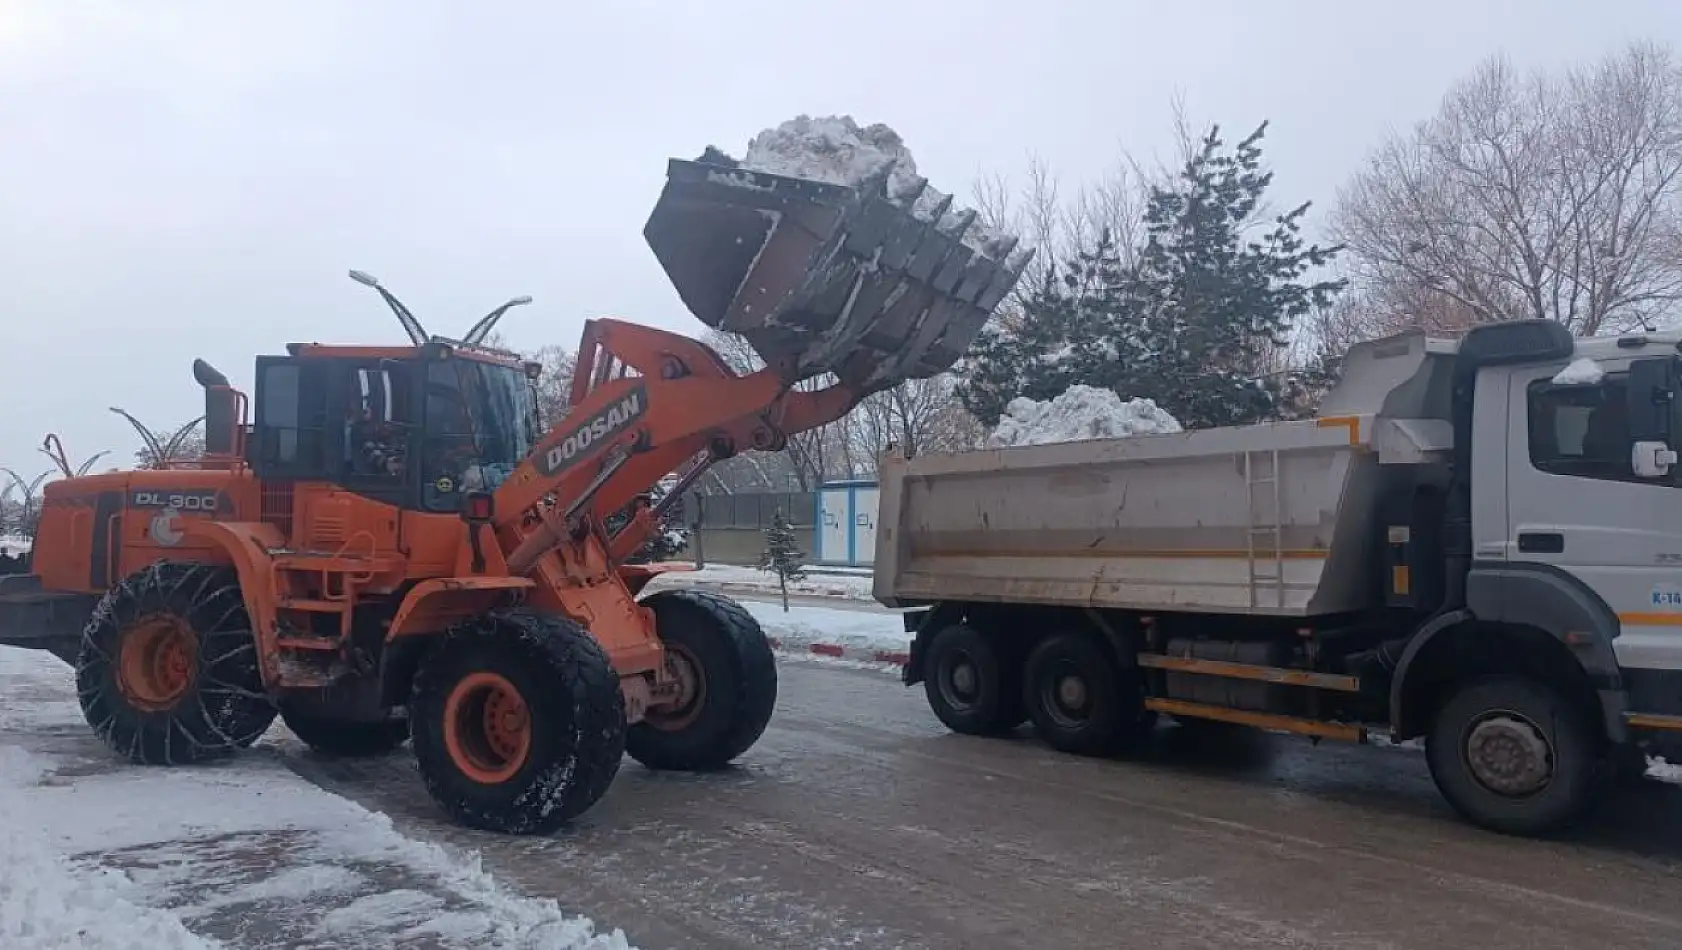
481	421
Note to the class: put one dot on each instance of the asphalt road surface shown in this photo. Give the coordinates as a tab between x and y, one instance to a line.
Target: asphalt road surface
858	821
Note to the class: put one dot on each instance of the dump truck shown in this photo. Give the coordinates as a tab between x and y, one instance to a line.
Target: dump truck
1474	543
386	544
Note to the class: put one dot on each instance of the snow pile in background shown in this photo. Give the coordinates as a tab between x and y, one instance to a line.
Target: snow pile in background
837	150
1079	414
1582	372
14	544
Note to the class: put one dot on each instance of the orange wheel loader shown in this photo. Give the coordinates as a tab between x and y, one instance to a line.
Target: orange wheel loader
385	544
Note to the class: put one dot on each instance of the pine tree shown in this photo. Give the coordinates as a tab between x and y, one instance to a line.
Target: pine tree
1197	322
782	556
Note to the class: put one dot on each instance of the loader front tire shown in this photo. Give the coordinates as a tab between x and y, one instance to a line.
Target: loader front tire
720	654
345	739
167	672
517	721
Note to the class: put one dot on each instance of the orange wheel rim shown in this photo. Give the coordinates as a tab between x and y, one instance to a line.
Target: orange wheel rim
156	662
487	728
682	711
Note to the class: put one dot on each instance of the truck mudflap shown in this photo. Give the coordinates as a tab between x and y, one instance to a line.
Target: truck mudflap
915	620
37	619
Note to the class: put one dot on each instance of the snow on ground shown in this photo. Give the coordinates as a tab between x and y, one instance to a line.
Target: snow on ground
1080	413
861	631
1581	372
728	577
13	544
96	854
837	150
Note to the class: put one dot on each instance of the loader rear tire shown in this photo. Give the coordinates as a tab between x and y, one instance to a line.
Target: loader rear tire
1082	701
345	739
721	651
167	673
971	688
518	722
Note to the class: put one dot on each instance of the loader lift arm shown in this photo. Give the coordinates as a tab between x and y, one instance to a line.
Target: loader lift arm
664	401
823	280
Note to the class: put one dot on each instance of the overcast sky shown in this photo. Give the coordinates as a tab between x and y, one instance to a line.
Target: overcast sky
182	179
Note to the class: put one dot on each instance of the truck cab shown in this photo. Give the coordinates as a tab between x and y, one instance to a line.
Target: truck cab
1576	504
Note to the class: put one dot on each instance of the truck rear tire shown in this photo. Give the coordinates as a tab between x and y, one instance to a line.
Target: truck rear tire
518	722
1082	701
970	687
1515	756
167	673
722	655
345	738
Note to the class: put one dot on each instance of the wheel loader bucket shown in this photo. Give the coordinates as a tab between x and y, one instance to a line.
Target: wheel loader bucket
824	278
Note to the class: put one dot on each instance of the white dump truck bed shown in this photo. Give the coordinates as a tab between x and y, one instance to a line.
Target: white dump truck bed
1236	520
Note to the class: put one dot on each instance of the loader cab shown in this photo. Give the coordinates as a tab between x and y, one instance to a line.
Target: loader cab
413	427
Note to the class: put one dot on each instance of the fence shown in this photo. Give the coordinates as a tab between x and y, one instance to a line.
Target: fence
730	529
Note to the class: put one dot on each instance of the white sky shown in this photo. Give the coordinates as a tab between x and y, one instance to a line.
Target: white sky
182	179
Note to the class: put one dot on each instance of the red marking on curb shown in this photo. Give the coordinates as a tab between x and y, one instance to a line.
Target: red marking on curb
828	649
897	659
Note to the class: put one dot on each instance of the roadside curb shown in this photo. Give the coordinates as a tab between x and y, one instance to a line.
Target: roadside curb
839	651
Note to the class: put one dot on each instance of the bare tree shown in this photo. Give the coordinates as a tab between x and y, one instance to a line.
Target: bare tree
554	384
1554	196
25	513
181	447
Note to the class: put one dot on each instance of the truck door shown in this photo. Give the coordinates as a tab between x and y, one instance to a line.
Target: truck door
1575	502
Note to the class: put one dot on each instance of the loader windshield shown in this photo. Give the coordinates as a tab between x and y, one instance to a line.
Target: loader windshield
481	421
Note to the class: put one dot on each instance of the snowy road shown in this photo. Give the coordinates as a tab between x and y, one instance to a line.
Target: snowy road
856	822
859	822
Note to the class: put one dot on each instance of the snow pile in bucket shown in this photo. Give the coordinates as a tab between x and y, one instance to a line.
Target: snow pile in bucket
1079	414
837	150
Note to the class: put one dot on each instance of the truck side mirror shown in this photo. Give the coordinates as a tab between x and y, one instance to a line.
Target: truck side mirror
1652	459
1651	394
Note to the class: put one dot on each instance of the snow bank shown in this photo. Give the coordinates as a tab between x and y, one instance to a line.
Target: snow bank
1582	372
837	150
14	544
97	854
730	577
1079	414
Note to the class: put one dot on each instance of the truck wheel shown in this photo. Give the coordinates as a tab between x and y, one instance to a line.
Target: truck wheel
167	673
342	738
518	722
1081	701
729	684
1512	755
969	686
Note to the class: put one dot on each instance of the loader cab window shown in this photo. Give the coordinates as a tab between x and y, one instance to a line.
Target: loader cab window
377	422
1582	431
291	429
481	422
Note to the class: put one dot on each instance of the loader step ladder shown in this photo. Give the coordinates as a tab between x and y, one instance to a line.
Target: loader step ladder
338	577
1264	529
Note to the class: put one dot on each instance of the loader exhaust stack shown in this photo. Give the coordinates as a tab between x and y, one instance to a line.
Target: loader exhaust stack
825	278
